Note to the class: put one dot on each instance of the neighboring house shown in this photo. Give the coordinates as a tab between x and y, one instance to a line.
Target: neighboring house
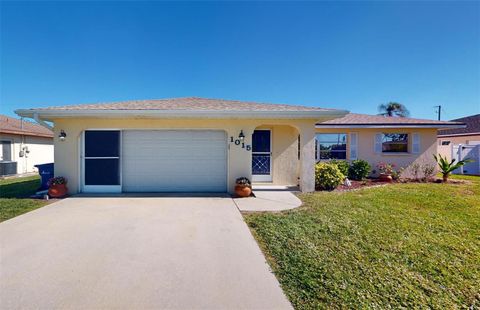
461	143
469	135
195	144
23	145
374	138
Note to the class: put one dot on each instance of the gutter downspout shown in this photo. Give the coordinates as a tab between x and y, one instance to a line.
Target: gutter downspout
41	122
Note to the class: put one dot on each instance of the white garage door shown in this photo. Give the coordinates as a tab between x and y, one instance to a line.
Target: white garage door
174	161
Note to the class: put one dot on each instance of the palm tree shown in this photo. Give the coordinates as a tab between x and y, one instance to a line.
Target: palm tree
446	168
393	109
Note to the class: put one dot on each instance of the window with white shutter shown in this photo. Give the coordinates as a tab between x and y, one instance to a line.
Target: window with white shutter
353	145
378	143
415	143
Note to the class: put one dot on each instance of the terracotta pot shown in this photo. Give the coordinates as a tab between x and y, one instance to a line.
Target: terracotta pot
57	191
384	177
243	190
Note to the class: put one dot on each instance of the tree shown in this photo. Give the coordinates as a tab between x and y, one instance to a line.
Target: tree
446	167
393	109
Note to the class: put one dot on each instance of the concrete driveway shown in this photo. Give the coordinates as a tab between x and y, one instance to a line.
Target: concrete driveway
134	253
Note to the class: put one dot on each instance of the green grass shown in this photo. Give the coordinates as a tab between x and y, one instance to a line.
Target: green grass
14	195
403	245
19	187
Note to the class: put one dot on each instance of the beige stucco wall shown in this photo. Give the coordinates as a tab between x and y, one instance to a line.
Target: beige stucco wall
446	150
366	143
460	139
41	151
285	132
285	167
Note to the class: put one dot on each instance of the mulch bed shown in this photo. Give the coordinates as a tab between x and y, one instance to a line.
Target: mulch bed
376	182
361	184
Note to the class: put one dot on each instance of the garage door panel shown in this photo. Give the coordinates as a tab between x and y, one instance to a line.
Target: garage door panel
174	161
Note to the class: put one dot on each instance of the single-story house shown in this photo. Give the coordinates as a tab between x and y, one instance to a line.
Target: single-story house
23	145
376	138
196	144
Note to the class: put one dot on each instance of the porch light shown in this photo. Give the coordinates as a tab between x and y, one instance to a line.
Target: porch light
62	135
241	136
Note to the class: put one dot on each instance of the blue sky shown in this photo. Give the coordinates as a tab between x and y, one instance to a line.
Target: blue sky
348	55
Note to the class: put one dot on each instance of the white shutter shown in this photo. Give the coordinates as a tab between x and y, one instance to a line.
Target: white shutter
378	143
353	145
415	143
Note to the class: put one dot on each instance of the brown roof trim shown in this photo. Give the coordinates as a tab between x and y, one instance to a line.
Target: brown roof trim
15	126
466	134
355	120
26	133
456	125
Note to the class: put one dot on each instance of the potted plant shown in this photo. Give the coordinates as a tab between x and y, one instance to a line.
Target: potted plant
57	187
386	171
243	187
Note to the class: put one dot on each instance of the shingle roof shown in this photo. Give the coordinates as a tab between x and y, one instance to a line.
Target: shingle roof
16	126
472	122
370	120
188	103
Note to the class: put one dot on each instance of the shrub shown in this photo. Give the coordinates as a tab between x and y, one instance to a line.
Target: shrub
359	170
428	172
328	176
343	165
397	174
386	168
415	170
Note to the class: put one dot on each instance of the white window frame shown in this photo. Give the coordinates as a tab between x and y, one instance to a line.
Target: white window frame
409	148
317	145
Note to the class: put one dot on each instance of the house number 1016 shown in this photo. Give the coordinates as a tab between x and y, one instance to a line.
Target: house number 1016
238	142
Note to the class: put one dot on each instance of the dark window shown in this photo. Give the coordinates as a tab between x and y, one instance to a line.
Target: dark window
261	141
299	148
445	142
331	146
6	151
102	172
395	143
100	143
102	157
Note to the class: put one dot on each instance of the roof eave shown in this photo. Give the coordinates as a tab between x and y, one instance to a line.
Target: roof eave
208	114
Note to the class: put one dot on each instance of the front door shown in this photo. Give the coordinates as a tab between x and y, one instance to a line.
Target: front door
262	156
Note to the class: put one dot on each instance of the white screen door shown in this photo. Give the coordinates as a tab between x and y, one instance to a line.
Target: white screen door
262	156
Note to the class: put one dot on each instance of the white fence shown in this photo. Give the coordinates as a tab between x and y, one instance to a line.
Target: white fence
464	151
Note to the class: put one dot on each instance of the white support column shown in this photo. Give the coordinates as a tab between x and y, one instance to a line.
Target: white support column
307	158
460	156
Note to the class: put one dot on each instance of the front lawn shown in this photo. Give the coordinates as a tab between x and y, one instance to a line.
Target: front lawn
403	245
14	195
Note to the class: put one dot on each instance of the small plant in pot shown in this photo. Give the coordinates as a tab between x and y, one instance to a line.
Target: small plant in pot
243	187
57	187
386	170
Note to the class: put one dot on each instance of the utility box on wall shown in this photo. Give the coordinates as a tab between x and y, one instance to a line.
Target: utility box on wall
8	168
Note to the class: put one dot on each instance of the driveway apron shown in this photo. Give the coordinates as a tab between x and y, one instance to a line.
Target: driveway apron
134	253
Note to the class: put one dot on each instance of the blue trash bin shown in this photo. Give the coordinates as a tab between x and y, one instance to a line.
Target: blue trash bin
46	173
